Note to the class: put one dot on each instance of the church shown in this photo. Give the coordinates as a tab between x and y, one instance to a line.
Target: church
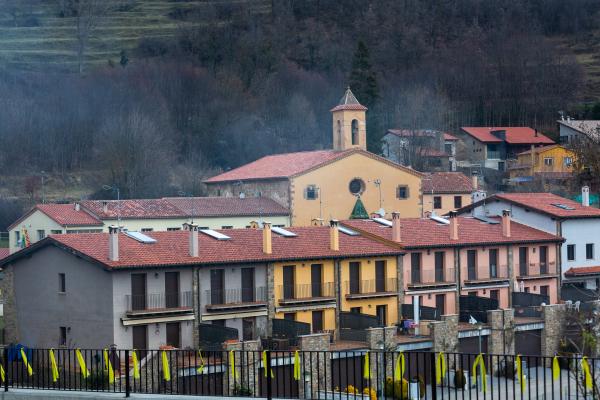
342	183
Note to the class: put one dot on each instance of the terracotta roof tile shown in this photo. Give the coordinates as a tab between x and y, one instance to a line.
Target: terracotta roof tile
574	271
447	182
140	208
448	136
4	252
514	134
62	214
424	232
227	206
545	203
245	245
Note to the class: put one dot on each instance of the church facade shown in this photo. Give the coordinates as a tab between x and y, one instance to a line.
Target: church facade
328	184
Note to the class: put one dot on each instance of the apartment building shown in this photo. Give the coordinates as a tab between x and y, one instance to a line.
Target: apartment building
487	257
144	290
145	215
447	191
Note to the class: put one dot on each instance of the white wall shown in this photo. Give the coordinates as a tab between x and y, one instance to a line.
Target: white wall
519	214
580	232
155	283
37	220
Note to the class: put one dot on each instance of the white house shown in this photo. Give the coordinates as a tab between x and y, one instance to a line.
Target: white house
578	223
571	128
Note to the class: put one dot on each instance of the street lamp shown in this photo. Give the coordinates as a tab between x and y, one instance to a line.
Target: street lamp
116	189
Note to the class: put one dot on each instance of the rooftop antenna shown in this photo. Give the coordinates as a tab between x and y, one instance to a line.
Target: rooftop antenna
116	189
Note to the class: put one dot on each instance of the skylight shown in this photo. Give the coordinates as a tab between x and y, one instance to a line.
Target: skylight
283	232
563	206
439	219
347	231
383	221
214	234
140	237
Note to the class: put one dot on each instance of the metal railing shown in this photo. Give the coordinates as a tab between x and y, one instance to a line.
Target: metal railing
537	269
334	375
236	296
371	286
488	272
158	301
305	291
430	276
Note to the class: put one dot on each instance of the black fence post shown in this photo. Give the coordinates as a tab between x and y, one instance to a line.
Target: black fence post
5	364
432	378
127	383
267	369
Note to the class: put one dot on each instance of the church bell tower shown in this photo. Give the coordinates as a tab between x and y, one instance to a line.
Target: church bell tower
349	123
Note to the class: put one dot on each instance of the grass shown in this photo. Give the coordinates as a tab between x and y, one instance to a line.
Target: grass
52	44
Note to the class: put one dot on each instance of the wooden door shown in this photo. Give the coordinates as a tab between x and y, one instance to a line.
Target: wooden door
138	291
217	287
493	253
173	334
543	259
354	277
316	280
317	321
140	337
415	268
247	285
288	281
171	289
380	276
523	261
439	266
440	303
472	264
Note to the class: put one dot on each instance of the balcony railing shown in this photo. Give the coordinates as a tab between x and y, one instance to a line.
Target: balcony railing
487	273
159	301
236	296
371	286
537	269
430	276
306	291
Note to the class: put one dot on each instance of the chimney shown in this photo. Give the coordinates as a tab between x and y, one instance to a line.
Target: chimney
267	238
453	217
77	207
113	243
334	235
193	239
475	181
506	223
585	196
396	231
105	206
316	222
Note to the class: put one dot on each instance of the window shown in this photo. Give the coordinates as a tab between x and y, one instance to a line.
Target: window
380	275
147	229
62	341
317	321
290	316
415	267
448	148
493	257
472	264
567	161
356	186
526	290
355	310
589	251
354	277
57	231
248	328
544	290
440	304
41	234
17	237
62	283
570	252
402	192
311	192
173	229
472	293
439	266
227	227
549	161
381	312
354	132
457	201
288	281
495	294
437	202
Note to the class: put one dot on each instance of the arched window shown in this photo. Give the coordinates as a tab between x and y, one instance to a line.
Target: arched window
337	140
354	131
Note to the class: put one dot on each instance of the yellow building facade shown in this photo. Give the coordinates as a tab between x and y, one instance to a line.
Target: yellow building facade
547	159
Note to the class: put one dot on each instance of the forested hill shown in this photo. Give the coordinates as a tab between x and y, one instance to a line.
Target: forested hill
151	95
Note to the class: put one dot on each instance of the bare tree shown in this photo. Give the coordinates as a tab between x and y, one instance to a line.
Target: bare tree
586	164
88	15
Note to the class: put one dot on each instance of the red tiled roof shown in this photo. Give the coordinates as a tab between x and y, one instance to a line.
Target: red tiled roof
574	271
354	107
140	208
424	232
543	202
448	136
412	132
447	182
282	166
62	214
540	149
227	206
4	252
245	245
514	134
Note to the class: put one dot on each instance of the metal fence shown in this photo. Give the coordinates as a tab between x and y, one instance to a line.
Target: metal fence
328	375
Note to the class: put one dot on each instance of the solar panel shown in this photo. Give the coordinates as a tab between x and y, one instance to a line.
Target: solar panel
140	237
383	221
347	231
283	232
563	206
439	219
214	234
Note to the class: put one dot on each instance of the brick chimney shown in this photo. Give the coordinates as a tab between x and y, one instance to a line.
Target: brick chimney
585	196
113	243
453	225
194	246
396	231
267	238
334	235
77	207
506	223
105	206
475	181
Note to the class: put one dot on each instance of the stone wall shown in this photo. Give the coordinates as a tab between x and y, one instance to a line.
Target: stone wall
314	362
11	329
247	358
502	337
277	190
553	316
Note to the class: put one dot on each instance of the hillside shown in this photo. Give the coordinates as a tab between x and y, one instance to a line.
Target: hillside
34	35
